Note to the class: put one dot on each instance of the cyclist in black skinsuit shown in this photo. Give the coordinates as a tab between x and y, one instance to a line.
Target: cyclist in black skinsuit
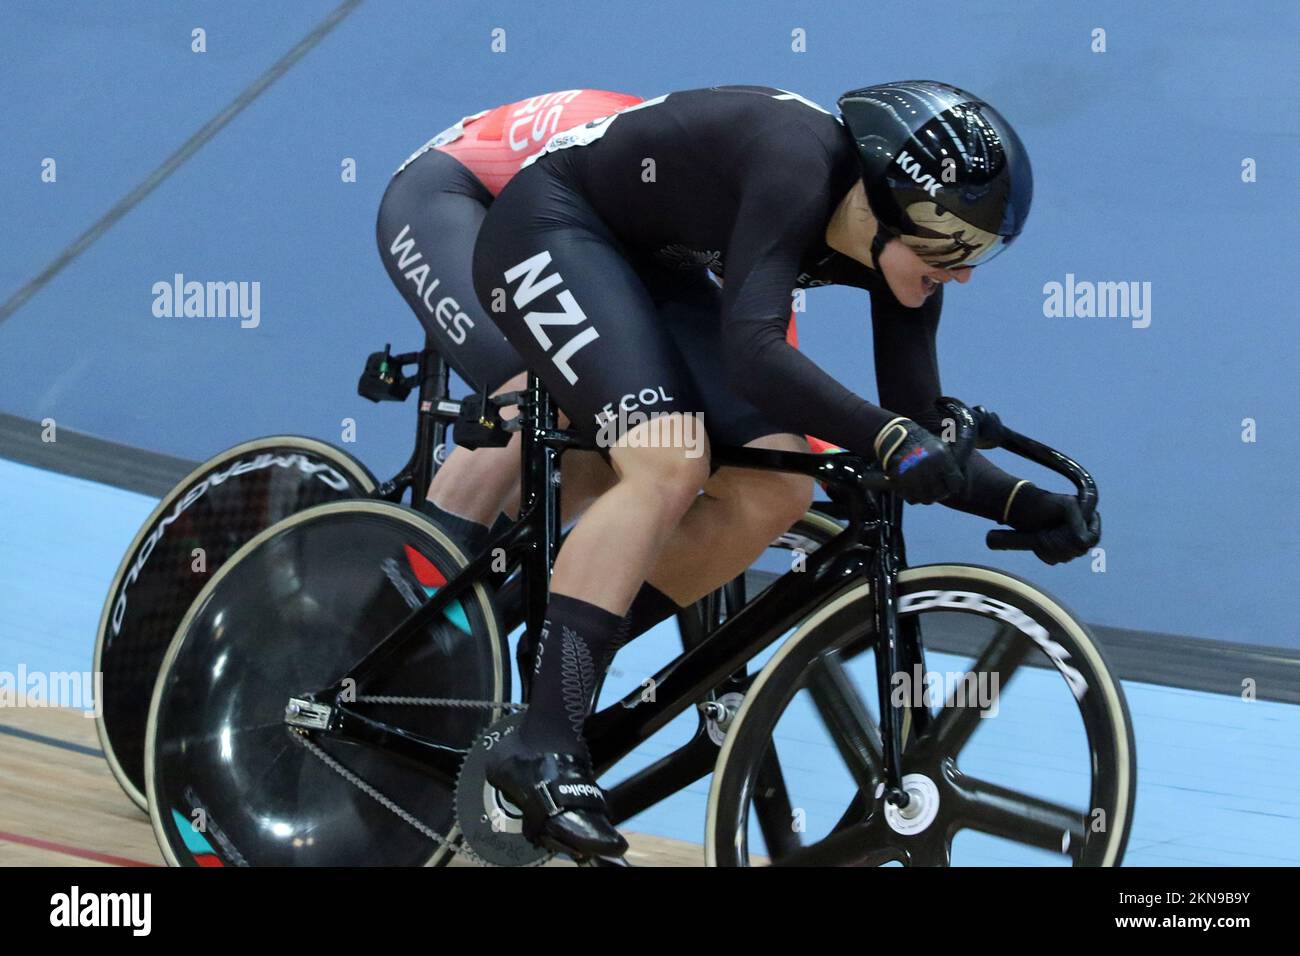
426	228
770	193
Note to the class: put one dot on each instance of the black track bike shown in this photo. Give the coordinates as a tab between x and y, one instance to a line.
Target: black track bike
240	492
332	694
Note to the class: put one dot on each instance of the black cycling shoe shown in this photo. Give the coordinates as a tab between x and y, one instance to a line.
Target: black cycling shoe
564	809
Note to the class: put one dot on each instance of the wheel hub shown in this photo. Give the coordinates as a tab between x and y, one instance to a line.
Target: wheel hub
922	805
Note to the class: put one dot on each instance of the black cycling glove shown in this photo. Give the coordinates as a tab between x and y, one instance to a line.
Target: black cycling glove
1057	523
917	462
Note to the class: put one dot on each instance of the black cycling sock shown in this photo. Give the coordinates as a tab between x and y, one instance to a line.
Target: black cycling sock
503	522
470	535
571	653
649	607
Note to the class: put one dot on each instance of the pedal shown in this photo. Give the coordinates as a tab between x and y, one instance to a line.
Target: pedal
308	714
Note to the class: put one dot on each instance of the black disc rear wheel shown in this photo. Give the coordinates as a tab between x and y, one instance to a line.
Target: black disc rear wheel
193	531
287	616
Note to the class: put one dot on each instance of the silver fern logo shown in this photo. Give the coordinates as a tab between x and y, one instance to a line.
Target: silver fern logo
578	677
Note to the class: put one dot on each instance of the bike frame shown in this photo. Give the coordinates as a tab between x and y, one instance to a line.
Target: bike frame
870	548
436	411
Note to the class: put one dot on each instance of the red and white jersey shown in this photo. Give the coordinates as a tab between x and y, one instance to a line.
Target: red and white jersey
493	144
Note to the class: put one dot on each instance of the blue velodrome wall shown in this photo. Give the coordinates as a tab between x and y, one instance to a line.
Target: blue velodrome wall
1138	155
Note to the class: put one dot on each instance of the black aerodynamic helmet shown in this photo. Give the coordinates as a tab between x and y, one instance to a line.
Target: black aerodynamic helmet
940	167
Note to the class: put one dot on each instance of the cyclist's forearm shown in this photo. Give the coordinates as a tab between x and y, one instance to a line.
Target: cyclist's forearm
787	386
989	490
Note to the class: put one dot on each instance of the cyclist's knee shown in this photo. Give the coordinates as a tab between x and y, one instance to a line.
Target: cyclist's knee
765	503
778	501
667	476
775	500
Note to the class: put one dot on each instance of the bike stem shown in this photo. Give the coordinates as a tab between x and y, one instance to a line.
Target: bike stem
431	428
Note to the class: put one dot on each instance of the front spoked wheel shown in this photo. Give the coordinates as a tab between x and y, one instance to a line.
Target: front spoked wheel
1018	748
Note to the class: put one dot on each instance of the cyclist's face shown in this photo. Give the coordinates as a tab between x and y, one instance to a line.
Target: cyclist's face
911	278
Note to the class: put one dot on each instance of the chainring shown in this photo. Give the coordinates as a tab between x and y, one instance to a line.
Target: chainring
492	826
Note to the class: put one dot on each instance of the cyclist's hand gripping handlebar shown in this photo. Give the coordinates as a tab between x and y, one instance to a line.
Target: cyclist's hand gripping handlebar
993	434
920	466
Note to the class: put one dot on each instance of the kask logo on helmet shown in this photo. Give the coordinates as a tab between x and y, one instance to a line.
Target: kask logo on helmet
913	168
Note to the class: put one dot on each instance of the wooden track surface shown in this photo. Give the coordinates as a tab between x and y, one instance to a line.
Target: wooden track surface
59	803
60	806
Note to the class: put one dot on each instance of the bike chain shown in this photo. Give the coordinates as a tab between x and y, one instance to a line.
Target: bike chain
387	802
440	702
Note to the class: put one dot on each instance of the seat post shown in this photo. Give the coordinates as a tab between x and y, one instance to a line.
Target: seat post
430	430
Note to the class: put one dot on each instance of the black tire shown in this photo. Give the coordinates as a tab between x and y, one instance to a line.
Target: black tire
260	482
1031	633
288	615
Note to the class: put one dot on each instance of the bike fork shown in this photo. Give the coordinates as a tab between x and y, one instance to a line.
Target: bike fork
886	564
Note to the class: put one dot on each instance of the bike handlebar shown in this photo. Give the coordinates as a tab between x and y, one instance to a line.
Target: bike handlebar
968	429
993	434
976	428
